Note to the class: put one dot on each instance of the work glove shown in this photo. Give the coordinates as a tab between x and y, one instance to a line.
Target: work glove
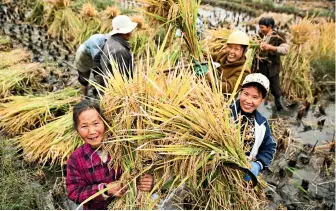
201	68
255	169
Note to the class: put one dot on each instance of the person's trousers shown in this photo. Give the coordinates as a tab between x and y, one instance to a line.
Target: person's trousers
275	86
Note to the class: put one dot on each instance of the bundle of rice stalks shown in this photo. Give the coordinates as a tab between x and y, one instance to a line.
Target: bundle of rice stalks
140	21
180	130
21	78
308	43
5	44
216	39
13	57
106	18
183	15
90	23
88	10
20	114
52	143
37	15
65	25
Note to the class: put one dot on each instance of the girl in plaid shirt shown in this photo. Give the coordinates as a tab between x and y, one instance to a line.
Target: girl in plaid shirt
87	170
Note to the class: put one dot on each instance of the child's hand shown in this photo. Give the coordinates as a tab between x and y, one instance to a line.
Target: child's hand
255	169
145	183
116	189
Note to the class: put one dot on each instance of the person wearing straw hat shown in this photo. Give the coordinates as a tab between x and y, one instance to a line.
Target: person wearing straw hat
117	47
273	46
88	58
259	144
232	61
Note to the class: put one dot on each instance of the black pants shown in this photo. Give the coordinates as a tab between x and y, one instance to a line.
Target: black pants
274	81
275	86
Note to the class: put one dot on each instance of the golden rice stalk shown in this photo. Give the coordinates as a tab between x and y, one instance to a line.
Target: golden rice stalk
58	3
216	39
20	114
310	42
106	18
164	124
65	25
91	26
20	78
88	10
182	14
139	20
52	143
13	57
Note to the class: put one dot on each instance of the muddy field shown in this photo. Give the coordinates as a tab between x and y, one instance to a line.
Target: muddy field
302	175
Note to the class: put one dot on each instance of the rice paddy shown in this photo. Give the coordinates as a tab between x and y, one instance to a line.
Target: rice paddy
165	121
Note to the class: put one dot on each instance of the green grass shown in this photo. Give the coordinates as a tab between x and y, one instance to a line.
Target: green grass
16	193
323	68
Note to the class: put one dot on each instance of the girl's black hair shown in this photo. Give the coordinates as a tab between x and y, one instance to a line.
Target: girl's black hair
267	21
258	86
85	105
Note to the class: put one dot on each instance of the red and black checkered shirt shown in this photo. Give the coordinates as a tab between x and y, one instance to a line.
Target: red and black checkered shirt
85	171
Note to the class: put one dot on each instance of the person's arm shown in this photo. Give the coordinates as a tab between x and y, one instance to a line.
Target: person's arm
282	49
229	84
267	149
78	189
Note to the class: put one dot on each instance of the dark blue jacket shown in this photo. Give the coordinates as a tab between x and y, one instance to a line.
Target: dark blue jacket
264	147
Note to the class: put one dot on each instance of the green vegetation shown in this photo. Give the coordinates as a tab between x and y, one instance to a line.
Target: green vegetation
16	191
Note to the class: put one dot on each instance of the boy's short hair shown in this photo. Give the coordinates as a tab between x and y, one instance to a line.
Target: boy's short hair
258	86
267	21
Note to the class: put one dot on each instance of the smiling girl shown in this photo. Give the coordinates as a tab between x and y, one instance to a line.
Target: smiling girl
87	168
258	141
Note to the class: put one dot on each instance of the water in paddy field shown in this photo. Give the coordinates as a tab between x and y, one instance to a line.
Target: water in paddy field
307	129
217	17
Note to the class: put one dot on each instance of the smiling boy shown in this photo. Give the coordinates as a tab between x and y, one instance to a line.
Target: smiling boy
258	141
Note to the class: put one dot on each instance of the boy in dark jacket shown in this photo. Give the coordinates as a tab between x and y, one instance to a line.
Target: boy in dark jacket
258	141
273	46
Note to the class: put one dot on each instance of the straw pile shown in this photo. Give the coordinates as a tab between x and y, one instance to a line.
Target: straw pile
64	24
21	78
52	143
182	14
13	57
20	114
180	130
309	42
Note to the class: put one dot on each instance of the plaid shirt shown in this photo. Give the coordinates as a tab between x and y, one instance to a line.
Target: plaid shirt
85	171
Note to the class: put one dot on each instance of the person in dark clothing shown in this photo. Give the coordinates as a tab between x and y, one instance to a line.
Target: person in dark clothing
273	46
259	144
117	48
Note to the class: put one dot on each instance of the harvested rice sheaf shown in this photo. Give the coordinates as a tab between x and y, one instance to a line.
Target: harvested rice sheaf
21	78
175	123
52	143
13	57
20	114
